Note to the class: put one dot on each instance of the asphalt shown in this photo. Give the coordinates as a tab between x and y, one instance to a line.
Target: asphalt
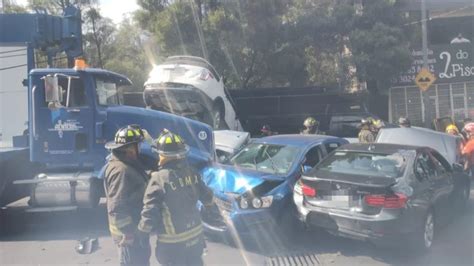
50	239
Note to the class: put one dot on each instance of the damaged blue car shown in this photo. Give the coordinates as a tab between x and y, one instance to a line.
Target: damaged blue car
253	189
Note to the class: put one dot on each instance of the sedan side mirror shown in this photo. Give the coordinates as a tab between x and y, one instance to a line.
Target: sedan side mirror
306	168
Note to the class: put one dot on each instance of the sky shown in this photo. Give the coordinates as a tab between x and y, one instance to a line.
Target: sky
114	9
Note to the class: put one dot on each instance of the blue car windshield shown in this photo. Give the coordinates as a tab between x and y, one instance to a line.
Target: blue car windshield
268	158
364	164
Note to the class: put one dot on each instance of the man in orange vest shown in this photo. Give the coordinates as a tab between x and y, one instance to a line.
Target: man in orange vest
468	150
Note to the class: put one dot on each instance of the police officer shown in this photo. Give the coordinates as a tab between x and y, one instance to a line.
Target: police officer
366	135
170	205
125	183
311	127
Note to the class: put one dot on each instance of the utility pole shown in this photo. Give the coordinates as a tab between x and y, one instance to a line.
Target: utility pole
424	42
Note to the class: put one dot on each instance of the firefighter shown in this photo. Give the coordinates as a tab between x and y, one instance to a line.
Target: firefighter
376	126
453	130
146	156
170	205
311	127
404	122
125	183
366	135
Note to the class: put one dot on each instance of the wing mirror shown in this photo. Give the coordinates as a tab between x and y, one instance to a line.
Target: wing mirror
52	91
306	168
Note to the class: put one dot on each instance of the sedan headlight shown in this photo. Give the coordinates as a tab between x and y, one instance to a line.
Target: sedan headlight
257	203
244	204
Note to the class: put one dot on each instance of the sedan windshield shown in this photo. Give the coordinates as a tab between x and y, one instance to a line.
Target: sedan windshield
365	164
268	158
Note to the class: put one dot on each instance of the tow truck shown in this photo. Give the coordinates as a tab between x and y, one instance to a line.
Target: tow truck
71	114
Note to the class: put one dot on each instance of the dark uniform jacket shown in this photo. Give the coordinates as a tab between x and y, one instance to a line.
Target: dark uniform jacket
366	136
170	207
125	184
313	131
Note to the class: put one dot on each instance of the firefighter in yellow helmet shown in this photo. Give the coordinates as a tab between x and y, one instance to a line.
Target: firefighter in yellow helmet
366	135
125	183
311	127
170	207
376	126
452	130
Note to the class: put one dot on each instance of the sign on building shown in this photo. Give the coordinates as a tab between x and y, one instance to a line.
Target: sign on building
449	63
450	89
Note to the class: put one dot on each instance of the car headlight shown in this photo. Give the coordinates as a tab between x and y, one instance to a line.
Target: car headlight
257	203
244	204
263	202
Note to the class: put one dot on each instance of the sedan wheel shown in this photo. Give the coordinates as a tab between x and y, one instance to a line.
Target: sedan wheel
429	231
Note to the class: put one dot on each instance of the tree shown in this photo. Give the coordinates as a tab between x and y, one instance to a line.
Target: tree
98	33
128	55
379	44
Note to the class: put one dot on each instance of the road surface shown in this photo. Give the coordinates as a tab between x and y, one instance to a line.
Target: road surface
50	239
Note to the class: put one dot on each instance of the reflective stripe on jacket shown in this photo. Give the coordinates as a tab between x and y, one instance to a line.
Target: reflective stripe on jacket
170	204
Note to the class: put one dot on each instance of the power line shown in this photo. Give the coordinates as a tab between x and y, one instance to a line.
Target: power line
22	65
442	15
15	55
11	51
11	67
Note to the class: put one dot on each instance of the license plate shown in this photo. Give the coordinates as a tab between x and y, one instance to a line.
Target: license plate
341	198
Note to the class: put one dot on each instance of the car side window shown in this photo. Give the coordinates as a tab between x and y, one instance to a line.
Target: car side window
424	167
331	146
313	156
442	167
77	93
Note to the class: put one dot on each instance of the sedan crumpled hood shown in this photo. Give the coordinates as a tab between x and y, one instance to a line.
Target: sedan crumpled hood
229	179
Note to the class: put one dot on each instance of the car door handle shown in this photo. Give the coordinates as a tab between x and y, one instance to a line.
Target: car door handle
73	110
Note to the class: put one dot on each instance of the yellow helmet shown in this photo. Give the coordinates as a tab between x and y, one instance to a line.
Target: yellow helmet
452	127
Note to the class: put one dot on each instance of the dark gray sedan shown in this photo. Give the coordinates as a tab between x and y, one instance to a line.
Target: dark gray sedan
386	193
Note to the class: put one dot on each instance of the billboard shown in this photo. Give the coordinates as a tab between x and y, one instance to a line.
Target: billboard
449	63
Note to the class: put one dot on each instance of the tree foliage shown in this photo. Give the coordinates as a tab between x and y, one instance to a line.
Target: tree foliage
283	42
97	37
10	7
127	54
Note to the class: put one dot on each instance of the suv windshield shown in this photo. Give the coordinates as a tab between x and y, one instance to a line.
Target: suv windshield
364	164
268	158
